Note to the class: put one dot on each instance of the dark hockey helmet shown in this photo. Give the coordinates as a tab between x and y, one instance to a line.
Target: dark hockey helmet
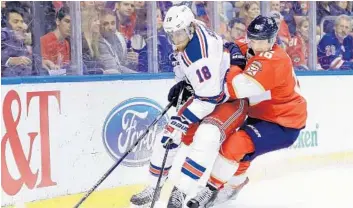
262	28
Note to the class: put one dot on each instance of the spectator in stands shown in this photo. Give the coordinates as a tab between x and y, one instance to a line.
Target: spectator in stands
275	6
350	7
288	16
58	5
224	18
251	10
23	7
15	57
90	39
335	50
112	49
283	33
238	8
236	29
332	9
3	15
339	7
87	5
100	5
141	18
298	48
227	10
199	8
126	18
300	8
164	6
201	12
55	48
164	50
322	9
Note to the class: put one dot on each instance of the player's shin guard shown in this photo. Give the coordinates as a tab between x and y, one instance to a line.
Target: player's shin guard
227	163
222	171
156	163
204	150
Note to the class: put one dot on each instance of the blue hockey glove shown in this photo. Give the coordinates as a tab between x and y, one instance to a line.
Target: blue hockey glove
236	57
175	129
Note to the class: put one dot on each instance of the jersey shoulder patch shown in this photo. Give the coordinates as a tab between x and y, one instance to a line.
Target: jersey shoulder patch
254	68
269	60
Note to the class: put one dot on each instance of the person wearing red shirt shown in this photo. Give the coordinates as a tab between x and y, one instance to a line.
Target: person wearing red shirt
298	48
126	16
55	49
283	32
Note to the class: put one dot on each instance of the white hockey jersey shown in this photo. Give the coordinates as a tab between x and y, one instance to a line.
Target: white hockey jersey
204	64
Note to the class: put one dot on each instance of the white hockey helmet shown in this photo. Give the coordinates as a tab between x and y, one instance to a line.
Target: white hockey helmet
177	24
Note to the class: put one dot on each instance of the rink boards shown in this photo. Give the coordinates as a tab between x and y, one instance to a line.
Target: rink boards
58	139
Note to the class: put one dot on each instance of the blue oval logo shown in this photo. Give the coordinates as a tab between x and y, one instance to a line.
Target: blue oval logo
126	123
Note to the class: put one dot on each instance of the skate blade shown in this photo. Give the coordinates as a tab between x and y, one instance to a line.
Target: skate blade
148	205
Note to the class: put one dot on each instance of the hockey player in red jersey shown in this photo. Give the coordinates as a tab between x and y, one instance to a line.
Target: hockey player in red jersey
277	113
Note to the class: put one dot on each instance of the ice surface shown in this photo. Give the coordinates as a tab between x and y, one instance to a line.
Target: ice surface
331	187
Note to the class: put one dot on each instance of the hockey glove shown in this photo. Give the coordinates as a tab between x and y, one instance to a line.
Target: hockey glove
175	129
236	57
175	91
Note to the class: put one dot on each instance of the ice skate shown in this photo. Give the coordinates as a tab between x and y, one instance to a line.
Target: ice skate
203	198
228	193
145	197
176	199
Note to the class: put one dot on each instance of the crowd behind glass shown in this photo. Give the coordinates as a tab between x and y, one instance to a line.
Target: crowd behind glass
106	37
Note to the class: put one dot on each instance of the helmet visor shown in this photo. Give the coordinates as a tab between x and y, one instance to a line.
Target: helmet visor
178	37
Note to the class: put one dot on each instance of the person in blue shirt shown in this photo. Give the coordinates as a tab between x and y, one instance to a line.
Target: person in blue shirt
335	50
165	50
16	59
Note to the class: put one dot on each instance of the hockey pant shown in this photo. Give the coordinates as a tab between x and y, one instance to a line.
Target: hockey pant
255	137
204	139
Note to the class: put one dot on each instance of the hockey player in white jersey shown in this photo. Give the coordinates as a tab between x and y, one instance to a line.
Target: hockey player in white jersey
203	63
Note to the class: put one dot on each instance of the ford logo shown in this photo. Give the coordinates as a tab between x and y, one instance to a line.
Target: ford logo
126	123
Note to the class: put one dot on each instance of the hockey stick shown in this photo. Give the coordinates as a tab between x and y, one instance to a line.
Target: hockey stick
161	174
123	157
180	99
